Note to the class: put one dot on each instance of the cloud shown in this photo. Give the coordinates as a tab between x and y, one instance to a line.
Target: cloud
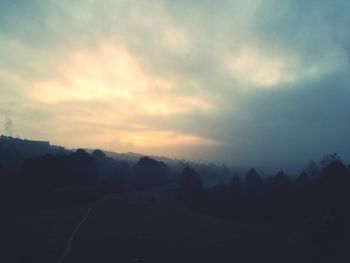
261	82
177	40
263	69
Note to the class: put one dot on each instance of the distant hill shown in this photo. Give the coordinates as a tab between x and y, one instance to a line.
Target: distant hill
211	174
28	148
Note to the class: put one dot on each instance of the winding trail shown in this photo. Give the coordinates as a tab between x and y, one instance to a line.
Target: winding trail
75	231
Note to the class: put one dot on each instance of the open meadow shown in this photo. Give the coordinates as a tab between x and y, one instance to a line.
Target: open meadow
150	226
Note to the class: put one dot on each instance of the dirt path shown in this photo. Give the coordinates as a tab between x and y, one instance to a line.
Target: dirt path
75	231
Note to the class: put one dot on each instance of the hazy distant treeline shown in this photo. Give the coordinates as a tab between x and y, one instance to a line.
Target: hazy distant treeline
35	173
61	177
321	194
322	188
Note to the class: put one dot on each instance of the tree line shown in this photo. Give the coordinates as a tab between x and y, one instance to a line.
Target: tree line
77	176
323	191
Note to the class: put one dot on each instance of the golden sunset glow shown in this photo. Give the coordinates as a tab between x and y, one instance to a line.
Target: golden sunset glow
175	77
110	74
150	139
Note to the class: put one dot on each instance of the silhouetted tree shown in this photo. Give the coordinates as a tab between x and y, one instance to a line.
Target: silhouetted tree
149	173
98	155
303	194
281	182
335	182
302	181
82	168
1	168
327	160
313	170
253	182
190	185
281	194
45	173
253	203
334	186
236	185
111	173
57	177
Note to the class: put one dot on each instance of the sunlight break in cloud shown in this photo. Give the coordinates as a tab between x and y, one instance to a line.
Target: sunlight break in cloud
266	69
112	76
259	69
112	73
148	141
152	139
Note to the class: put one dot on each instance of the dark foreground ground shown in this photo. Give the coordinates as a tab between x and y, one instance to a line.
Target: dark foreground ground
152	226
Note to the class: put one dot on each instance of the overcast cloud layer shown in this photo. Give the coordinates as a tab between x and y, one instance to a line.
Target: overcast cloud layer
256	82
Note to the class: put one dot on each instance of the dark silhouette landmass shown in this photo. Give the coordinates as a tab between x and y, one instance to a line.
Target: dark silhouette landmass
35	175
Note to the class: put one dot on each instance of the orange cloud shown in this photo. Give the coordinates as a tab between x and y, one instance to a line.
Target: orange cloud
113	73
111	77
150	141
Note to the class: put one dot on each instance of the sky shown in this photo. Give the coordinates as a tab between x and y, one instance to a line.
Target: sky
261	83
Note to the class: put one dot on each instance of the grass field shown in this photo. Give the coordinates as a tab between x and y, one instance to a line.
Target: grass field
154	227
